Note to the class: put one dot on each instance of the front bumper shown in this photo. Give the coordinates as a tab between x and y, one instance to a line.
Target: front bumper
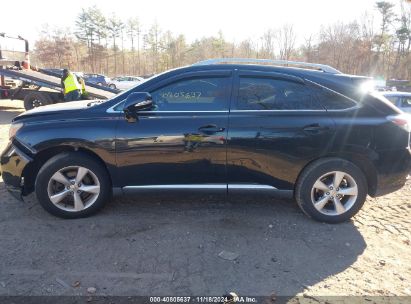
13	161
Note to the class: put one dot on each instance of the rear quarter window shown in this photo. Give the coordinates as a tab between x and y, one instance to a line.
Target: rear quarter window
331	100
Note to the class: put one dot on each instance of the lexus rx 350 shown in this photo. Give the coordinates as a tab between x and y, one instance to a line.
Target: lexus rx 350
218	125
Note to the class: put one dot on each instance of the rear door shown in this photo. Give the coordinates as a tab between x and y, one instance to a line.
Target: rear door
276	126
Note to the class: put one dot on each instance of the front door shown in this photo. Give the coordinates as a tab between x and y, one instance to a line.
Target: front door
276	127
182	141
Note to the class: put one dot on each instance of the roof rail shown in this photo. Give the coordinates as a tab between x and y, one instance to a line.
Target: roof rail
317	66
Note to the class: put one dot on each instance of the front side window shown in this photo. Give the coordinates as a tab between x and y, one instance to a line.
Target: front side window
194	94
275	94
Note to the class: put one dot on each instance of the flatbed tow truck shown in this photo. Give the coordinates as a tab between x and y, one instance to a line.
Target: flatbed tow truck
38	86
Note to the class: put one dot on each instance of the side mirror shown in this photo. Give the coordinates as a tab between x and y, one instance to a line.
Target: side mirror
135	102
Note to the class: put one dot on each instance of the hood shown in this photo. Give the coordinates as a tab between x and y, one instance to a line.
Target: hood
57	108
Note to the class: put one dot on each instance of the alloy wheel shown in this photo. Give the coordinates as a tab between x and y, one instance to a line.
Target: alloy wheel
334	193
73	188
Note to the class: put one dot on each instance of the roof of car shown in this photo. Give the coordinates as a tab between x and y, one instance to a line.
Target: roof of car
258	67
272	62
313	75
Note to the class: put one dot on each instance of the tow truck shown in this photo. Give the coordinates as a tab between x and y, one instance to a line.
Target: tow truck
38	86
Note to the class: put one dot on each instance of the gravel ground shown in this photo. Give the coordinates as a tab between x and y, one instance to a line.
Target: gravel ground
202	245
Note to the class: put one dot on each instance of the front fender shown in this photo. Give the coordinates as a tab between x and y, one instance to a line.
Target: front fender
95	134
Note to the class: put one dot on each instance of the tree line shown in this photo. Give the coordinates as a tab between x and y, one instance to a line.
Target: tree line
112	46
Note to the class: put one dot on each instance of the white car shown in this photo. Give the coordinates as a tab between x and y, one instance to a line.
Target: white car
125	82
400	99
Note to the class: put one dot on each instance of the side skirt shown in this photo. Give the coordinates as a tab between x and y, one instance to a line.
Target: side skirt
205	188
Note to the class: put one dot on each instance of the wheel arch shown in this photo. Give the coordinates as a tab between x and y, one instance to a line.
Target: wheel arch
31	170
361	161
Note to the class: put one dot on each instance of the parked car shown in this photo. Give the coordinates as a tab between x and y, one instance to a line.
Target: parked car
97	79
401	100
125	82
214	126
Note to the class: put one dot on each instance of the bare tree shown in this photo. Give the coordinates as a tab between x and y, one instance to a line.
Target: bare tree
134	32
152	43
285	38
383	40
354	46
268	44
115	27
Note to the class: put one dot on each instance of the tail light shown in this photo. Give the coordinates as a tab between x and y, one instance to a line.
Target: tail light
402	120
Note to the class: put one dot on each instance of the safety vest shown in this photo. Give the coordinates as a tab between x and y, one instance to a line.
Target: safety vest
71	83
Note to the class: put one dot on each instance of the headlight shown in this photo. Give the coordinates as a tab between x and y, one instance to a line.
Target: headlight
14	128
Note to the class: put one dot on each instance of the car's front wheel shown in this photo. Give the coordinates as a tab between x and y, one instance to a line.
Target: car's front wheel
72	185
331	190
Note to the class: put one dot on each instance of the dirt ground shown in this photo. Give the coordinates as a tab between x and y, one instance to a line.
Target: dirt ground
168	245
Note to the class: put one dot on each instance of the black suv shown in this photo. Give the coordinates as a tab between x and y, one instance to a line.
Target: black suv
309	130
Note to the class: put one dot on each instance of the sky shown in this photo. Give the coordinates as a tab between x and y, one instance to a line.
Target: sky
238	20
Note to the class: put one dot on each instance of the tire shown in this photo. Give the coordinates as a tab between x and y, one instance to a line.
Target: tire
36	99
112	86
48	185
317	196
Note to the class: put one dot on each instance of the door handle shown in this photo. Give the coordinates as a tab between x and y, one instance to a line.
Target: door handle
211	128
315	128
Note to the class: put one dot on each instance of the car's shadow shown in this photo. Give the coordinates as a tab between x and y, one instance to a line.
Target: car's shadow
174	240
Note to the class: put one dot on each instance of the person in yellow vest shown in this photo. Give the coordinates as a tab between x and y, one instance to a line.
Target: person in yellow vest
71	86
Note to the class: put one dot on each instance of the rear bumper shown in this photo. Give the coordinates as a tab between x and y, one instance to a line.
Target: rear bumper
13	161
393	167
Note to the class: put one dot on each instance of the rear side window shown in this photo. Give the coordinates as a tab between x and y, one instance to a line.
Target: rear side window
194	94
275	94
334	101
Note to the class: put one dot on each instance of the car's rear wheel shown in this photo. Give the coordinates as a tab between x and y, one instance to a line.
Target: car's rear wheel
72	185
112	86
331	190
